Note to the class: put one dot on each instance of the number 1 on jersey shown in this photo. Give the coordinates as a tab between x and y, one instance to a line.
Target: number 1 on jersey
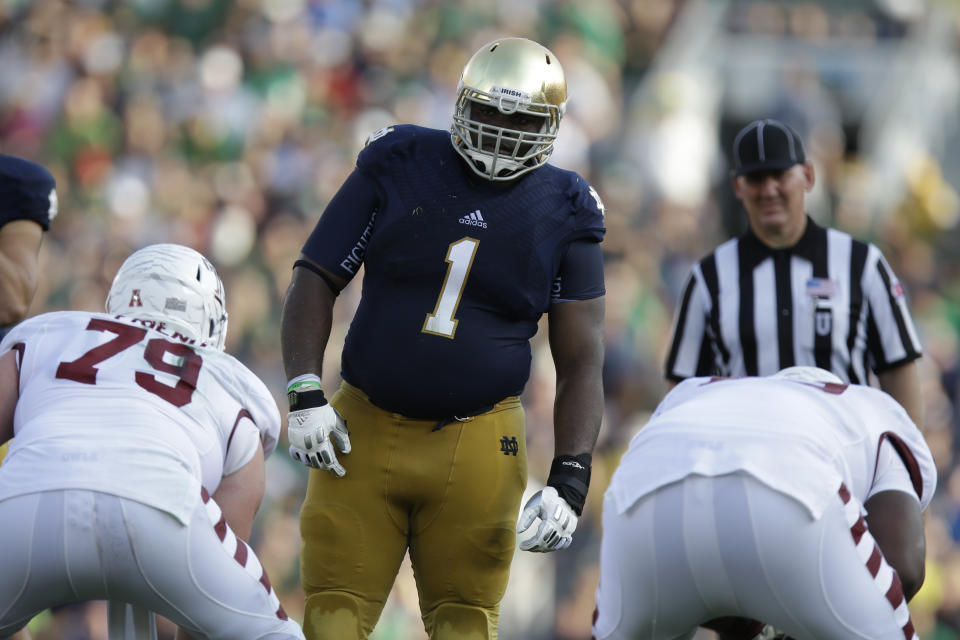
459	260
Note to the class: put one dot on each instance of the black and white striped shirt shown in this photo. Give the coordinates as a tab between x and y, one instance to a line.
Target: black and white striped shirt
829	301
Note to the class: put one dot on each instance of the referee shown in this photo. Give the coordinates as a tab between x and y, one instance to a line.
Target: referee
790	292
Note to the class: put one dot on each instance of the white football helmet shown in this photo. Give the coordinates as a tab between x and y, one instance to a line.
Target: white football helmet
517	76
807	374
173	284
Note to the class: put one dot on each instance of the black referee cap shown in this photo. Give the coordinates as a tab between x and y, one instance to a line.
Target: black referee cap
766	145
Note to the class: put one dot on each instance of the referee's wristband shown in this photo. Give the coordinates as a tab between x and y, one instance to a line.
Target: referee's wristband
570	476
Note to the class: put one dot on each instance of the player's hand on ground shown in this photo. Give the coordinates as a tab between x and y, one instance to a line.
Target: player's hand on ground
312	433
557	521
770	633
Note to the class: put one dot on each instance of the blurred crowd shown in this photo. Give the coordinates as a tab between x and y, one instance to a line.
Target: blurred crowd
227	125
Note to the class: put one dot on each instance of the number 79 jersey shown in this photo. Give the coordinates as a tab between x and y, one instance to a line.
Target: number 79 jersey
113	404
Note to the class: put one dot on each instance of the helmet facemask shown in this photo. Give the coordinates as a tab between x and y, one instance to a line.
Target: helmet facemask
498	152
173	285
512	76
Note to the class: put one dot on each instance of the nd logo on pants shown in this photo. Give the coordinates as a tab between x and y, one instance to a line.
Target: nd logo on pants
449	495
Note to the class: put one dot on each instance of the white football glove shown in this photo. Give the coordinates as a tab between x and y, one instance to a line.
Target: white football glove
557	521
310	432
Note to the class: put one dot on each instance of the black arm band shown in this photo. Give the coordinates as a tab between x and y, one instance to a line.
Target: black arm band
312	267
306	399
570	476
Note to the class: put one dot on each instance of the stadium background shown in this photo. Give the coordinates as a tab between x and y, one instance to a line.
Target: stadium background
227	126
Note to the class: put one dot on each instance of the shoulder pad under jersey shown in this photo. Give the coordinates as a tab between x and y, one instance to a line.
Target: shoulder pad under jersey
399	140
587	205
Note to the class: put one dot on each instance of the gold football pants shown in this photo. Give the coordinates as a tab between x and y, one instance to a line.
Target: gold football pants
450	495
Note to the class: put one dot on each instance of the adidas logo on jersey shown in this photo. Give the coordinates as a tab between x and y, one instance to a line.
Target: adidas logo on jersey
474	219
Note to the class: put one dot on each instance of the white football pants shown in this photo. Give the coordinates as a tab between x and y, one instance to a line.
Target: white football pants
70	546
703	548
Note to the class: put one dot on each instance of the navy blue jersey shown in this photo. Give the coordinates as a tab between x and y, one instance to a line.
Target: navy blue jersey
457	270
27	192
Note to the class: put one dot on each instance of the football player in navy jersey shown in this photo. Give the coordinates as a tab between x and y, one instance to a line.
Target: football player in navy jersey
466	237
28	202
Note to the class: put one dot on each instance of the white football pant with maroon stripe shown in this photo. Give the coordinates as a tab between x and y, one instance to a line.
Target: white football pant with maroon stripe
709	547
87	545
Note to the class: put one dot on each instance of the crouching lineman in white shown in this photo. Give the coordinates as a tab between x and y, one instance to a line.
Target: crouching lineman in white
138	462
791	499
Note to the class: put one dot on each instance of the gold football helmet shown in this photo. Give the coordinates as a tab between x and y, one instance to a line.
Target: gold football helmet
519	77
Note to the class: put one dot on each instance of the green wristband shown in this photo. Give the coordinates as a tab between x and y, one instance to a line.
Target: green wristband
304	385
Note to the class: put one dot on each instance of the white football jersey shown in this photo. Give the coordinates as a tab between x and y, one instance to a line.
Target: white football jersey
108	403
800	438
